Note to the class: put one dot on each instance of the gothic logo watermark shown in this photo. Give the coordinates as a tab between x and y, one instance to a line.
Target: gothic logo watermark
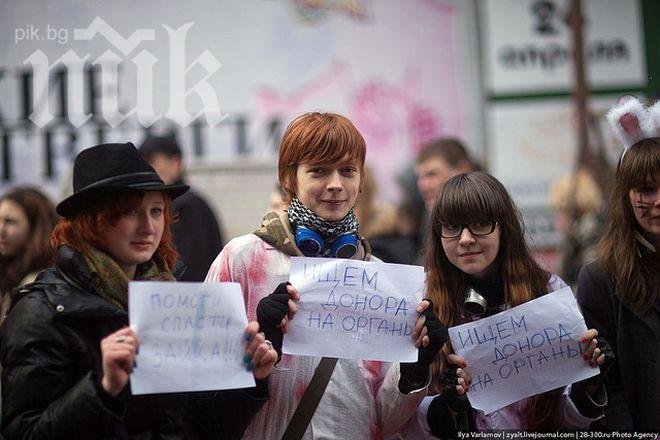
122	51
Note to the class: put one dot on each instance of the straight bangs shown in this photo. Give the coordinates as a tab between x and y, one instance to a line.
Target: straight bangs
333	141
468	198
640	162
318	138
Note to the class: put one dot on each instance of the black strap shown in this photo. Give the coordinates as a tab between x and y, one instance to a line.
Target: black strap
310	400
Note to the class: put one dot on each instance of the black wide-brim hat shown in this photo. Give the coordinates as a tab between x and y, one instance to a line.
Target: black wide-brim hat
105	168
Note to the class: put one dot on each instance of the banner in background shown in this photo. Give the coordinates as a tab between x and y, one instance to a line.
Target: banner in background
228	76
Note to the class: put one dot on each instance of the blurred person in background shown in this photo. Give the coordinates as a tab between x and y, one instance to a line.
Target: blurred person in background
437	162
27	217
577	202
276	199
380	223
197	234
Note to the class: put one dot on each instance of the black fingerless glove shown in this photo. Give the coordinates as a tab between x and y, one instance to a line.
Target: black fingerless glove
449	379
449	412
589	395
270	312
414	375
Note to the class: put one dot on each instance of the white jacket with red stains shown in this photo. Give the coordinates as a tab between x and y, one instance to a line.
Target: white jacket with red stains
362	400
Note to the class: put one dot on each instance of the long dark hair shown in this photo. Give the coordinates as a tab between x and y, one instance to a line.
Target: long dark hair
479	197
636	271
37	253
471	197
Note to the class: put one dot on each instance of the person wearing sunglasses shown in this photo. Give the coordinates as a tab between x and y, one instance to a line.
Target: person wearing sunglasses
478	264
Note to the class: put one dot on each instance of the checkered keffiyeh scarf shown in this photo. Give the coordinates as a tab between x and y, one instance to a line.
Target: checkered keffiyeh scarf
301	215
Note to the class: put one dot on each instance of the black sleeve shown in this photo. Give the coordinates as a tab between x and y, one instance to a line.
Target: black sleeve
197	235
594	296
446	424
43	394
224	415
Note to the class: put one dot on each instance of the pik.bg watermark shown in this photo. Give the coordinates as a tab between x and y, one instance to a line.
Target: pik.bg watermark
31	32
122	50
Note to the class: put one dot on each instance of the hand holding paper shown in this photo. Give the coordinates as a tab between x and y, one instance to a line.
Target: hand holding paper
260	356
117	358
429	335
192	337
535	346
275	311
354	309
455	383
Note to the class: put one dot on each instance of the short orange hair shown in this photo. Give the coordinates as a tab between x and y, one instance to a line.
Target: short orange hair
317	138
88	227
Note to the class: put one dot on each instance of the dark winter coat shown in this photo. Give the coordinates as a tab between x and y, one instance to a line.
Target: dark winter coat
633	385
197	235
51	357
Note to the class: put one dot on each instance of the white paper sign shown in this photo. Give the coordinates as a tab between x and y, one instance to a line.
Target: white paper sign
354	309
192	337
524	351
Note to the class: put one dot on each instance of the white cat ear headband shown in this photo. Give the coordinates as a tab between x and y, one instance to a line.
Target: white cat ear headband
632	121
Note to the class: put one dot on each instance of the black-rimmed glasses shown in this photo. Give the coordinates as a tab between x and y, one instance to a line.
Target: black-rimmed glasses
477	229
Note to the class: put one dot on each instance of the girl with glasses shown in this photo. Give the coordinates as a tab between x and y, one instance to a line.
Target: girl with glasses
620	291
477	242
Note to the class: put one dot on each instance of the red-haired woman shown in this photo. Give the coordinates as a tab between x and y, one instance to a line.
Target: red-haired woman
477	241
66	349
27	217
321	162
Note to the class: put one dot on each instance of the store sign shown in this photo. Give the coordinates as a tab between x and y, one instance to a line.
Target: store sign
528	45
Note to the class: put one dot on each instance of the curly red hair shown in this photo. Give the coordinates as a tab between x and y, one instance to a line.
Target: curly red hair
88	227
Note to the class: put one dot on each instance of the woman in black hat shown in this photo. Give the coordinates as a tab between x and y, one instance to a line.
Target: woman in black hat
66	348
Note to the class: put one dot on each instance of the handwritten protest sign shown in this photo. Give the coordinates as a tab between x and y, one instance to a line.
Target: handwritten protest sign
191	337
354	309
527	350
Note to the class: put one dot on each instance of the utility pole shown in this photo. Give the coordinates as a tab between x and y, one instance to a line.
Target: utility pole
590	154
580	90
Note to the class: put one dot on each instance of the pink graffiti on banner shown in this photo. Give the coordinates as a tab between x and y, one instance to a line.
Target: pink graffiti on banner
272	103
417	99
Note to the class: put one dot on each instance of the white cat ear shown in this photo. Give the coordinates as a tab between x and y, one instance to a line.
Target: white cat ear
631	121
654	112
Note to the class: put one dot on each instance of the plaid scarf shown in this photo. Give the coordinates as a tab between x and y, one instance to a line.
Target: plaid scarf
110	281
301	215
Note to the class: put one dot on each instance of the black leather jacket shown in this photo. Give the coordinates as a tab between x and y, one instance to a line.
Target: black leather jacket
51	357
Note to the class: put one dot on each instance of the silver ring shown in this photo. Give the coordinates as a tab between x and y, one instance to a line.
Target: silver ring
270	344
120	339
